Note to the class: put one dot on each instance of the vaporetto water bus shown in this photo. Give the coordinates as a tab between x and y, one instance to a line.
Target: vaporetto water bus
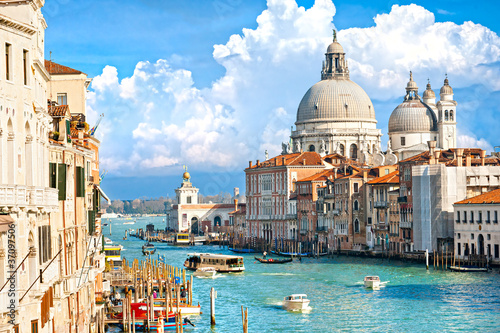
222	263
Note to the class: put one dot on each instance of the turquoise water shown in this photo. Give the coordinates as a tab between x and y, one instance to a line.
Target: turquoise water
414	300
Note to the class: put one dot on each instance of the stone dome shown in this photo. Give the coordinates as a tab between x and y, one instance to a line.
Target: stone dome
335	100
429	93
446	89
412	116
335	47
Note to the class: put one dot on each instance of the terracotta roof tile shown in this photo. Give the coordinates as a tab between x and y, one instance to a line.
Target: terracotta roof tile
305	158
54	68
58	110
320	176
391	178
491	197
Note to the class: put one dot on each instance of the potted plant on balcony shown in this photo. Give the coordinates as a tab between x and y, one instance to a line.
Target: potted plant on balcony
54	135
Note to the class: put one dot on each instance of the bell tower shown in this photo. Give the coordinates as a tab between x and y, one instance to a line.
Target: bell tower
447	117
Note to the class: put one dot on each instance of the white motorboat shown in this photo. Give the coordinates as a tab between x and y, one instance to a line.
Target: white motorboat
372	282
296	302
205	272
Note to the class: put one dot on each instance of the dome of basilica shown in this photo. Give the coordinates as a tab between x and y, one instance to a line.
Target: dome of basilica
335	100
412	116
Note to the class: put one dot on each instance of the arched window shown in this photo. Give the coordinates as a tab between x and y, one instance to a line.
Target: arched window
451	115
353	151
356	205
342	150
446	115
312	148
356	226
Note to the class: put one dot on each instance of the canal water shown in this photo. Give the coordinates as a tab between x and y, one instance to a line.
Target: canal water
414	300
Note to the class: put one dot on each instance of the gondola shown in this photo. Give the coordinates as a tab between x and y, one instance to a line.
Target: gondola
273	261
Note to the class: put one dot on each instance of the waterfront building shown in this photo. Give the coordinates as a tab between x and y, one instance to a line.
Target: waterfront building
271	193
189	215
237	221
27	203
418	120
74	172
379	230
477	231
336	115
309	207
432	182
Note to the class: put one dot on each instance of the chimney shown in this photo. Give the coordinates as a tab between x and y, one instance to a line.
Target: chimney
468	159
460	153
304	161
437	155
235	204
249	164
432	147
483	155
258	163
282	161
365	176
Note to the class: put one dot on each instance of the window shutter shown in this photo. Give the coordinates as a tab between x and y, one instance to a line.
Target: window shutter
80	182
91	217
68	130
53	175
40	256
61	181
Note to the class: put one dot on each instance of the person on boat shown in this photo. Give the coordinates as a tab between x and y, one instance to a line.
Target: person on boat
264	254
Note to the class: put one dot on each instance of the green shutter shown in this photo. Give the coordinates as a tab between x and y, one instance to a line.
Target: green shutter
96	200
80	182
61	181
91	215
68	130
53	175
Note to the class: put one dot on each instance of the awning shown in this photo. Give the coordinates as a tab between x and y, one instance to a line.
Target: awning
103	194
5	220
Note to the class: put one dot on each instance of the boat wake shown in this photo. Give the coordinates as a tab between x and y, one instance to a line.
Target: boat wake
278	274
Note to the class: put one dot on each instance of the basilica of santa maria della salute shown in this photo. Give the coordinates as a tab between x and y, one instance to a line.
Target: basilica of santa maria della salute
337	116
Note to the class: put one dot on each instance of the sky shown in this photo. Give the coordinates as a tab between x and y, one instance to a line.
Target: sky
214	84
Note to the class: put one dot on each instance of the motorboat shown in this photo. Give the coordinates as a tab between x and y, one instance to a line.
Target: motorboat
181	239
222	263
148	248
372	282
296	302
205	272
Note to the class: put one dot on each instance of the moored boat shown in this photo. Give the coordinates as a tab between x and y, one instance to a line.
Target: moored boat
296	302
221	263
205	272
242	250
181	239
372	282
273	261
467	269
148	248
292	254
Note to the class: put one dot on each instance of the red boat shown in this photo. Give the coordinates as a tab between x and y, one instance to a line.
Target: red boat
141	312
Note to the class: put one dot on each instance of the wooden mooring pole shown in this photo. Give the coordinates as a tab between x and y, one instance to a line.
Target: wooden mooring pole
213	296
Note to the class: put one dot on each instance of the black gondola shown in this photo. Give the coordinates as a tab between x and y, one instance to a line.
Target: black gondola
273	261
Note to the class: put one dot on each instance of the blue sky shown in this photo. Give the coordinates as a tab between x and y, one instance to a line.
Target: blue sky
213	84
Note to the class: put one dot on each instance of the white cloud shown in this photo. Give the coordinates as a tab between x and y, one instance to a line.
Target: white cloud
471	141
157	118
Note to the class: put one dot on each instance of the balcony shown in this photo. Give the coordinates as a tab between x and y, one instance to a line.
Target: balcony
303	231
408	225
381	204
380	227
322	228
335	212
31	197
291	216
403	199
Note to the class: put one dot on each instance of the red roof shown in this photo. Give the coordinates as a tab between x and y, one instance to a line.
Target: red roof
306	158
491	197
391	178
54	68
